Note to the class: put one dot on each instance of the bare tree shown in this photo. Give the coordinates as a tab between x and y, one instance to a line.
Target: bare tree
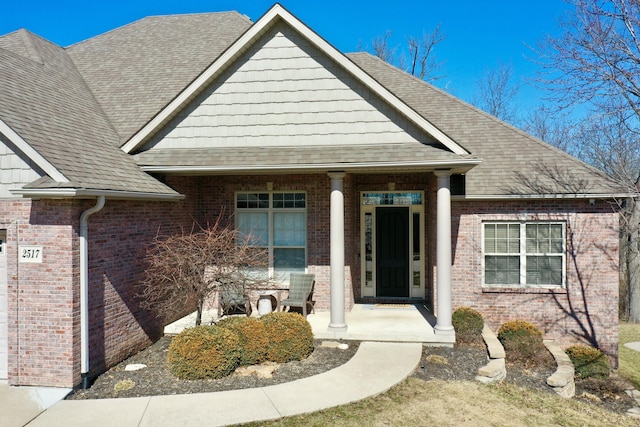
184	270
496	93
608	143
382	49
597	59
422	61
419	61
595	64
552	127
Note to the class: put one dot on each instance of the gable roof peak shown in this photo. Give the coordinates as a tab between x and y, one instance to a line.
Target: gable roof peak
274	15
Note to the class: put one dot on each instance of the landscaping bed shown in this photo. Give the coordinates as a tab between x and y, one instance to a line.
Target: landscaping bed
459	363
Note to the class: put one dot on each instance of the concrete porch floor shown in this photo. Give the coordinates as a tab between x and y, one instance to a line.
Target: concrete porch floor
365	322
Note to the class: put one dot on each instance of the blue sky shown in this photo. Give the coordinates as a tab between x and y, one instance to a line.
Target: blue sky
480	34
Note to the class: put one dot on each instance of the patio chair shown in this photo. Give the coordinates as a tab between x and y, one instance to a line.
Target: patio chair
233	300
300	292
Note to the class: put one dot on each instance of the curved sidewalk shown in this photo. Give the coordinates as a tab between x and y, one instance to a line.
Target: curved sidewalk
376	367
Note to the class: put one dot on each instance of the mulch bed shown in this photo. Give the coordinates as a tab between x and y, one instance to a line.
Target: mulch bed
460	363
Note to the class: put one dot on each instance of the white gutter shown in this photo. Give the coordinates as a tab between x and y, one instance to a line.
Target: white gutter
84	290
82	193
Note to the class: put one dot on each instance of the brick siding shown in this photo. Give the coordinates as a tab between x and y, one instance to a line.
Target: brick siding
44	306
586	311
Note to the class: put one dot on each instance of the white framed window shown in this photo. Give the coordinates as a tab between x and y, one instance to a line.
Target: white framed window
528	254
276	221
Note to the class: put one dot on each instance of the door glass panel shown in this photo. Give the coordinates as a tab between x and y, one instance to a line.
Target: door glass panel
417	261
368	249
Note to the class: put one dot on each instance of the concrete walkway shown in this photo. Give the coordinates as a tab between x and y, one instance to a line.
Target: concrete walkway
376	367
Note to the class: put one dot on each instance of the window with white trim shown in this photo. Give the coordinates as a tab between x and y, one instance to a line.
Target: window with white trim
276	221
524	254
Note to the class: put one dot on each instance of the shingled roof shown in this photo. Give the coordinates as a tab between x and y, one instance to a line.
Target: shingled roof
135	70
77	106
513	162
47	103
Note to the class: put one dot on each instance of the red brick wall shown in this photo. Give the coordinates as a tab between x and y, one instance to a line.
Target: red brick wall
42	297
217	194
118	237
44	335
586	311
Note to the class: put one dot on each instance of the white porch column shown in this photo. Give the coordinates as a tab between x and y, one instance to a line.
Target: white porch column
337	322
443	253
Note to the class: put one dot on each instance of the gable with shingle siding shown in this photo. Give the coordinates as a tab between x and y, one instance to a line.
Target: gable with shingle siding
17	170
285	92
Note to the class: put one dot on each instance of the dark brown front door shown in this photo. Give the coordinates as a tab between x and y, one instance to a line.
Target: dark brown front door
392	252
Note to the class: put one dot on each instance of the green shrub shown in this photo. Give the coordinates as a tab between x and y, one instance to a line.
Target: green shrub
468	324
253	338
521	340
290	336
589	362
204	352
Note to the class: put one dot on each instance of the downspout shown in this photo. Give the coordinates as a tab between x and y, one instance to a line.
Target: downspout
84	290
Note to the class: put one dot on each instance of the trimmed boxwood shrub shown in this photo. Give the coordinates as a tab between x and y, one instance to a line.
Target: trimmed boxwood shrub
290	336
253	338
588	362
204	352
468	324
521	340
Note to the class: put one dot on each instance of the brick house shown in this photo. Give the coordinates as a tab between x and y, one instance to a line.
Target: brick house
384	187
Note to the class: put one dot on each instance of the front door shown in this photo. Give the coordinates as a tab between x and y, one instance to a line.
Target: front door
392	252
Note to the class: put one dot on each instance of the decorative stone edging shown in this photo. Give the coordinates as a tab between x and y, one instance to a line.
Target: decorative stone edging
562	380
496	369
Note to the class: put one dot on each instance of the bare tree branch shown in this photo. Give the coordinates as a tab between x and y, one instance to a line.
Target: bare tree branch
496	93
421	60
184	270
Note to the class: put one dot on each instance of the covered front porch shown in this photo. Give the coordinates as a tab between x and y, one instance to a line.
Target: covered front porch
383	322
367	322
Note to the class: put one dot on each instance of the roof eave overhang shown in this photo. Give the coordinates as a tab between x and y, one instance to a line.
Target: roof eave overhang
460	167
239	46
79	193
490	197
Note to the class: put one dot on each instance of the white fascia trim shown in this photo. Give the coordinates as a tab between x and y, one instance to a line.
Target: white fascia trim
467	164
53	193
277	11
543	196
32	154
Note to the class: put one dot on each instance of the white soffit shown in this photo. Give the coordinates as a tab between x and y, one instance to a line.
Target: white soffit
237	48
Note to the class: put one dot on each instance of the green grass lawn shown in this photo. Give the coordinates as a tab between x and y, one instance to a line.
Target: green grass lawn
457	403
629	359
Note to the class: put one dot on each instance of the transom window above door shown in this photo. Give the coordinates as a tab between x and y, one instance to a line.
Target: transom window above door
276	221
